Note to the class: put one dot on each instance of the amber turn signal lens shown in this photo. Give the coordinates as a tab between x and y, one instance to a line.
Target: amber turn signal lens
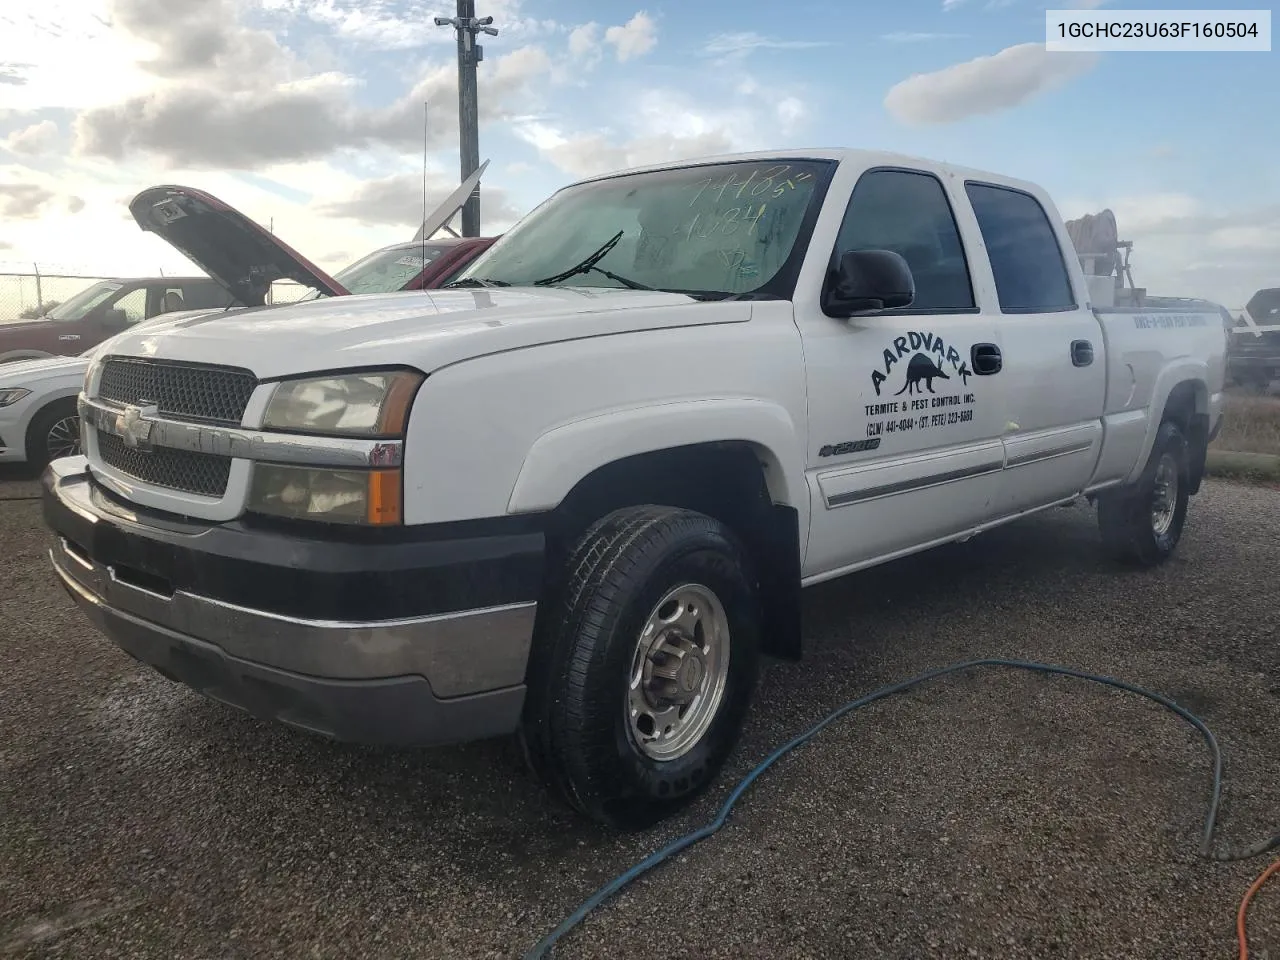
384	503
394	415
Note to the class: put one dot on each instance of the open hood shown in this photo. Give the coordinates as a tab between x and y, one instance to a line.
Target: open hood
227	245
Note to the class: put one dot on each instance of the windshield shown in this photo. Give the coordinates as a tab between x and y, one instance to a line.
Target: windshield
714	229
76	307
386	271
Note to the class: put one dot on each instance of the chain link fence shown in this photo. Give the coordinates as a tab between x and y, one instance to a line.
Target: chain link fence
25	296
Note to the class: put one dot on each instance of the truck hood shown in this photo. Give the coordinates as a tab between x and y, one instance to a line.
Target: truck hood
16	329
25	373
424	329
226	244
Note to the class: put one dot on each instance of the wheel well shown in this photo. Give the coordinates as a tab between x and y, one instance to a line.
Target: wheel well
1188	407
59	404
726	481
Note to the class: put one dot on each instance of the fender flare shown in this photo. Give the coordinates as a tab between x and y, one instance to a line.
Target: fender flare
1178	371
565	454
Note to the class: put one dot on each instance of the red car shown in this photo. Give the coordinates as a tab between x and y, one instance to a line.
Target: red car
102	310
425	266
247	259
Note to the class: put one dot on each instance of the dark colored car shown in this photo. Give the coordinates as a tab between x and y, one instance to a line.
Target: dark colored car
1254	356
104	309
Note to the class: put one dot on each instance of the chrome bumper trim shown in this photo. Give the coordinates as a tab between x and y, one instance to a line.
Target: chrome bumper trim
143	429
458	653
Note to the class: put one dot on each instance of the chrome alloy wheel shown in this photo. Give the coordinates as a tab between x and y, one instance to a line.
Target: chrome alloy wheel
1165	501
678	672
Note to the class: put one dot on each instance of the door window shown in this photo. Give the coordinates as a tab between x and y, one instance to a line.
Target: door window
205	295
908	212
1030	274
171	300
133	305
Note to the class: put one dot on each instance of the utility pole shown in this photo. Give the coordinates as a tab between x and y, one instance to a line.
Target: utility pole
470	53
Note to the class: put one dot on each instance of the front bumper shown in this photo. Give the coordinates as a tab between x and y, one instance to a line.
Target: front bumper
398	637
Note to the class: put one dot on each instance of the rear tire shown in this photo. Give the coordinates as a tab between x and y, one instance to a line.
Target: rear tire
1141	524
644	667
53	432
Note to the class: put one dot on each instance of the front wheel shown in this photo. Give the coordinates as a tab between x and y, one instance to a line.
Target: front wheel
54	432
643	672
1142	523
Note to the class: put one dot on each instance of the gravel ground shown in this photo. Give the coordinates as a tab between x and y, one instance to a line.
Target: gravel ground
992	815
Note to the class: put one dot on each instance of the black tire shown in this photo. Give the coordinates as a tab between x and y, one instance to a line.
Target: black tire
40	440
578	730
1126	517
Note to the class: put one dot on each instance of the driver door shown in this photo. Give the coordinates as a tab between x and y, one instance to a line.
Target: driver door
112	317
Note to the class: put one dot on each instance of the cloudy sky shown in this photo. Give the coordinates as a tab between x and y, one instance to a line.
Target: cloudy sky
309	113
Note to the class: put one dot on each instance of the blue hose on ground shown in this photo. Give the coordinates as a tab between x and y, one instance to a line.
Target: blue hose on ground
543	948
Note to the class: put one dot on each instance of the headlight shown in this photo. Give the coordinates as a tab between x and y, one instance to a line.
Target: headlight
12	395
372	404
352	405
334	496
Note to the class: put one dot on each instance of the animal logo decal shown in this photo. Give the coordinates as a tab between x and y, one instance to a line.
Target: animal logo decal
929	357
919	368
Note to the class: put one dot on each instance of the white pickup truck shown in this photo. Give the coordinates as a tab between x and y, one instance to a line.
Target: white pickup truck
575	496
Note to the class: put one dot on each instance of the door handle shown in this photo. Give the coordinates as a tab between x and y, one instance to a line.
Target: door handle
986	359
69	336
1081	353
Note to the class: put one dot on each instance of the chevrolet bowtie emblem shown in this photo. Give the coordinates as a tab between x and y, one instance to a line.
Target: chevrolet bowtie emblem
134	427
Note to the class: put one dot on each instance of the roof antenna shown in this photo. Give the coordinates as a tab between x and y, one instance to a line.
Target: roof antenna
426	110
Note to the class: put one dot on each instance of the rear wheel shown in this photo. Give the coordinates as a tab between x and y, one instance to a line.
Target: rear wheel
54	432
644	668
1142	523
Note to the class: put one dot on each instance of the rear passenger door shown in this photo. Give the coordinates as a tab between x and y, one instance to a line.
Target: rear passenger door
163	298
904	433
1054	359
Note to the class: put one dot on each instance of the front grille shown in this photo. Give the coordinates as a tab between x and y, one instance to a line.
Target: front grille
199	473
180	390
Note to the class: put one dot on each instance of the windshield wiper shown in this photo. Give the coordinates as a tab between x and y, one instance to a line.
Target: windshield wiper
589	264
475	282
633	284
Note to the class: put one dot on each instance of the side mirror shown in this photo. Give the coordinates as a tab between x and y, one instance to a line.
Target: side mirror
114	319
868	280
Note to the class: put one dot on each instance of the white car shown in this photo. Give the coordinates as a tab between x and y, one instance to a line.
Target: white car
38	418
577	496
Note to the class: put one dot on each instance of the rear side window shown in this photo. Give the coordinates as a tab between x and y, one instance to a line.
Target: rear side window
1030	274
908	213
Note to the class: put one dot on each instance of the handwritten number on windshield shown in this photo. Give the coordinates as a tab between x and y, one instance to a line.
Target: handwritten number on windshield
727	223
770	181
